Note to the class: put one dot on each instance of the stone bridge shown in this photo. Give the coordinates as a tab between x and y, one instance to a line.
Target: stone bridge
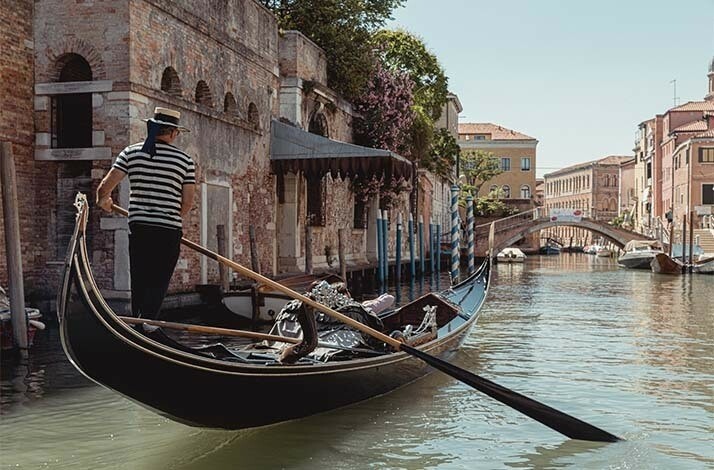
509	230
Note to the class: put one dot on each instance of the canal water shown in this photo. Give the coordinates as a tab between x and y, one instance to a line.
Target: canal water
629	351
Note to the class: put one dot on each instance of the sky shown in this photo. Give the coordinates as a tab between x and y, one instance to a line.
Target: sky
578	76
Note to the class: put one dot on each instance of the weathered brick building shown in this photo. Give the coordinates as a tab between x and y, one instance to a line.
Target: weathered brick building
592	187
78	77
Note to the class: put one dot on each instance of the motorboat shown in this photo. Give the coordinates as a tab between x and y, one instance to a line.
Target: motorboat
511	255
639	254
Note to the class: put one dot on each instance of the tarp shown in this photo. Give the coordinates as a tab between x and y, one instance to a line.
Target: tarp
633	245
293	149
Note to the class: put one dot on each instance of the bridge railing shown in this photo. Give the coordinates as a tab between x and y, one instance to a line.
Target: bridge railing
507	222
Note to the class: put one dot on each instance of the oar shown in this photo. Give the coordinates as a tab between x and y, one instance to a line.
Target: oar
557	420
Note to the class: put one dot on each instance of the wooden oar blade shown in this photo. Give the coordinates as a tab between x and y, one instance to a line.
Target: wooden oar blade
561	422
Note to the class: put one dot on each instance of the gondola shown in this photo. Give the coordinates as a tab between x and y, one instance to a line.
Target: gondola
236	391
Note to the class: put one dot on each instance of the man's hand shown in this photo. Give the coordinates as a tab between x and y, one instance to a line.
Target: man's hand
105	203
104	191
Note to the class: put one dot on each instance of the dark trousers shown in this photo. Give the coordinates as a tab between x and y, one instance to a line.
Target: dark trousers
153	252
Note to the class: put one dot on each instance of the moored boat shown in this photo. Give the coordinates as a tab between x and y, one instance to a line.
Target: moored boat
703	266
663	264
639	254
603	252
511	255
222	388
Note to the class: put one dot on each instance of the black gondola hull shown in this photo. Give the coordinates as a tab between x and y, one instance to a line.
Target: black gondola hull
206	392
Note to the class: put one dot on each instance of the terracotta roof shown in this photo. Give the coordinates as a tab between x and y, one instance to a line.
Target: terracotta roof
705	135
609	160
695	106
497	132
694	126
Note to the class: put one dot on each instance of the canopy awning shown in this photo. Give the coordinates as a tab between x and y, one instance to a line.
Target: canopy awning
293	149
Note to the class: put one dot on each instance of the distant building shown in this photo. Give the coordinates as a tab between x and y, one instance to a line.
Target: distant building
677	152
592	187
627	198
517	156
539	195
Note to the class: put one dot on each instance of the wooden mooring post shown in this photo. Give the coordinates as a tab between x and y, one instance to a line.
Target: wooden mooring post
13	250
254	258
341	253
308	248
222	248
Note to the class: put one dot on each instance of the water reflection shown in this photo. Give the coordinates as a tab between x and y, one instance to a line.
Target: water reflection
629	351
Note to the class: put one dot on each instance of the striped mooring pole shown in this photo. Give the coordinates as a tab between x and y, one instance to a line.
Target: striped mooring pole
454	234
385	243
398	256
421	245
470	228
438	248
380	248
432	235
412	263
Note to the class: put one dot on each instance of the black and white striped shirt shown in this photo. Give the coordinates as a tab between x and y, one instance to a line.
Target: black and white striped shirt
156	183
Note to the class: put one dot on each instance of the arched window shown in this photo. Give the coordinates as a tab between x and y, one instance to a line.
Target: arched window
493	191
607	180
203	94
170	82
525	192
72	113
613	205
229	104
614	180
253	116
506	191
318	125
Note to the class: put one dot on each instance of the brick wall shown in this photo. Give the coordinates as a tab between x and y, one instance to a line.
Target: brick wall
16	126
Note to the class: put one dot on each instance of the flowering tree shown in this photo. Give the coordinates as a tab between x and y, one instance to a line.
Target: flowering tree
387	190
386	111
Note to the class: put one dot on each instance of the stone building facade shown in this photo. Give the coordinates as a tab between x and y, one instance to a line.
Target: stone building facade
516	153
678	170
81	76
592	187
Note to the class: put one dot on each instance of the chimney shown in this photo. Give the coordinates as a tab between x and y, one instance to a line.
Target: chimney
709	117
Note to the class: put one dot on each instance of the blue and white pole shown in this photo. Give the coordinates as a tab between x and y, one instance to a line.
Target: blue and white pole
438	248
421	245
454	234
380	247
412	263
432	235
470	228
398	265
385	243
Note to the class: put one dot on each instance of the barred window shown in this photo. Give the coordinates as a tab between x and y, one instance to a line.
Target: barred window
505	164
361	215
525	163
706	155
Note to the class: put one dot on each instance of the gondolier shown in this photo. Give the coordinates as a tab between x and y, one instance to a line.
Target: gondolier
162	181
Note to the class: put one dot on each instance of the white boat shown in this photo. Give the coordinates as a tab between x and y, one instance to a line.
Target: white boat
603	252
511	255
639	254
703	266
